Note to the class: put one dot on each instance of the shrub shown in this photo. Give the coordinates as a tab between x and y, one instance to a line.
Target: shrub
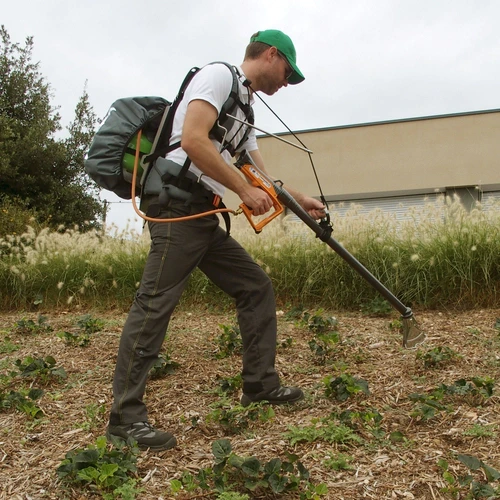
14	217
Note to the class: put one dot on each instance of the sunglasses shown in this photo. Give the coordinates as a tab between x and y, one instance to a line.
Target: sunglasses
289	69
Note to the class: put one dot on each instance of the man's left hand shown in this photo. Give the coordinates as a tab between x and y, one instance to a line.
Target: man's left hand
313	207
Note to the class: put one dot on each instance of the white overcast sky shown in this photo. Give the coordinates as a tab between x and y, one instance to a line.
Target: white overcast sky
364	60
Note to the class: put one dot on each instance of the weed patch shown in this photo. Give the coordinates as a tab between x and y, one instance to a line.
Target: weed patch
7	346
473	486
22	401
344	386
109	470
86	326
229	385
232	476
437	357
441	398
43	370
338	462
29	327
377	306
162	367
237	418
229	341
326	429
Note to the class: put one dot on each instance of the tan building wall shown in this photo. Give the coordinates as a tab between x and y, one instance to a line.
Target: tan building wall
398	156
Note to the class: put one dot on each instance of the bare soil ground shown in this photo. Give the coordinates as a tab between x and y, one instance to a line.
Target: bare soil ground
380	468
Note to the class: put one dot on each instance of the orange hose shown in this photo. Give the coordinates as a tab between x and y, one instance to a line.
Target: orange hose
175	219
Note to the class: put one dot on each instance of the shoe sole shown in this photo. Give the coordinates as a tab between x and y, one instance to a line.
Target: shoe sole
171	443
245	400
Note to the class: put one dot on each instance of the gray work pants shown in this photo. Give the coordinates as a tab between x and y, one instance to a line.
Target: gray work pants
176	250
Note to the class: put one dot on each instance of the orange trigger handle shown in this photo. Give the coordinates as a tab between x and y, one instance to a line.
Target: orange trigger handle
257	179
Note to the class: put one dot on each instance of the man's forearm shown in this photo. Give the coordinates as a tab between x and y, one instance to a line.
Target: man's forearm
205	156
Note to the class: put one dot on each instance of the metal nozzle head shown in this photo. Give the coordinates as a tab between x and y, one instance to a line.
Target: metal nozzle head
412	335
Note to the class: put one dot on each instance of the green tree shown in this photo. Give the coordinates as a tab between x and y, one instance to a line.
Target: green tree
41	176
76	199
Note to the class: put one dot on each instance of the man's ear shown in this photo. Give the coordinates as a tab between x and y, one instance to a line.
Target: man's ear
272	52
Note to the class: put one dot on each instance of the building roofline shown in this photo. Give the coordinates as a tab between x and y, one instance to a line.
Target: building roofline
485	188
386	122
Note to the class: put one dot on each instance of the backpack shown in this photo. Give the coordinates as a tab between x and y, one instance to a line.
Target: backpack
111	156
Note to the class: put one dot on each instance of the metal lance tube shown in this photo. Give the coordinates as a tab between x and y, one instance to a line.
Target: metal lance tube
412	335
269	133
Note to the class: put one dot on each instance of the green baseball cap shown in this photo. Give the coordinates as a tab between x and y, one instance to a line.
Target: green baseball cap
284	44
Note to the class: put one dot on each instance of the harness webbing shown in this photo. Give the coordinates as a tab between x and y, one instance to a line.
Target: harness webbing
218	131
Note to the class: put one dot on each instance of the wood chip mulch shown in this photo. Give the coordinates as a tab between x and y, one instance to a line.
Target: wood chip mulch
30	451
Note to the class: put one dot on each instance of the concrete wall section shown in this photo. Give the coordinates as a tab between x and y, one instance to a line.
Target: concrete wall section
427	153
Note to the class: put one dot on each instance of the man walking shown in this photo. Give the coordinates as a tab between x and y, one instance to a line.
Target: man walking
178	248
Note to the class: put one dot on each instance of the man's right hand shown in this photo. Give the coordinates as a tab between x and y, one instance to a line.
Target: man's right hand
256	199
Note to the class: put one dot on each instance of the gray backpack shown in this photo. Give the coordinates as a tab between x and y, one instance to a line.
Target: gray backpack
110	159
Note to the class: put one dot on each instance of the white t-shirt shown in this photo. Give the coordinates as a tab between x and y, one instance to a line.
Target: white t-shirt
213	83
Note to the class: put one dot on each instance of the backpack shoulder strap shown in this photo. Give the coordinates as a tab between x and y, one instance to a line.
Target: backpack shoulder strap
217	132
161	145
165	131
230	103
224	123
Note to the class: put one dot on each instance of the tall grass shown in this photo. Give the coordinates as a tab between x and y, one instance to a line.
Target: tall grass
440	255
70	267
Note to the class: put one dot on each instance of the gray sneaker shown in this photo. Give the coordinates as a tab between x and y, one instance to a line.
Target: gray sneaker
145	435
279	396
